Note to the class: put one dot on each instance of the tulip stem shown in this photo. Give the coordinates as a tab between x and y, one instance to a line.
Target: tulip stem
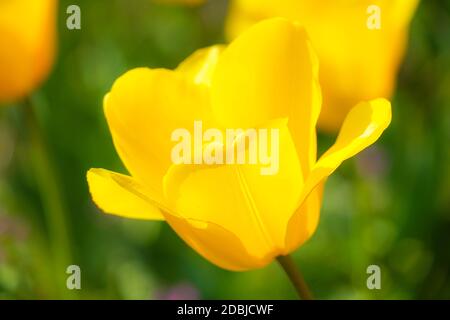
51	197
297	280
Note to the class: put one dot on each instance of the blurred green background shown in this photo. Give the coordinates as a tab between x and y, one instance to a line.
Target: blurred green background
389	206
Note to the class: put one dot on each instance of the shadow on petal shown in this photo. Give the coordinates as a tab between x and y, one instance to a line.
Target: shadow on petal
216	244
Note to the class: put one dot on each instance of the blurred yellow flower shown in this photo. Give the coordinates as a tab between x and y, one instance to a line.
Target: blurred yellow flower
27	42
230	214
359	59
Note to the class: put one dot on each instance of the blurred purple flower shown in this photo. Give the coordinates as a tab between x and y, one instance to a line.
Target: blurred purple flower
12	228
373	162
181	291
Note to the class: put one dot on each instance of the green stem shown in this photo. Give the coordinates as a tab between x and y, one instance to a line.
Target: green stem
297	280
51	197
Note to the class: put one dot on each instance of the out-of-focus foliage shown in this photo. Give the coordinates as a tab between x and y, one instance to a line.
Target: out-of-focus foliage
390	206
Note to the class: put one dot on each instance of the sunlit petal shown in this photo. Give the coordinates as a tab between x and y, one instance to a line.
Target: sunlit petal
121	195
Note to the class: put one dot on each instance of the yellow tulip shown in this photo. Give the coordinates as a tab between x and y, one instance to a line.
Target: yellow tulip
230	214
27	42
358	61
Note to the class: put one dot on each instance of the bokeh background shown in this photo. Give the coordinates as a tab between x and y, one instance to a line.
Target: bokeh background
389	206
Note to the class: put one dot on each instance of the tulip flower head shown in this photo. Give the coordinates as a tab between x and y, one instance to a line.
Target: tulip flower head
231	213
27	42
360	44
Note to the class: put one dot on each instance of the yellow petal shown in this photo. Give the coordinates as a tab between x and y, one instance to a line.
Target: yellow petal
27	42
304	221
200	66
216	244
237	197
363	126
359	63
356	63
143	108
213	194
121	195
270	72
